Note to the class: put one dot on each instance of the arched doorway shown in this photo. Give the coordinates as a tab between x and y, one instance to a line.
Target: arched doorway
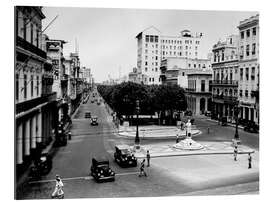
202	105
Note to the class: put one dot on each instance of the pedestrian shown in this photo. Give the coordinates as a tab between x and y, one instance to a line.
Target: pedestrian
148	158
235	152
182	125
177	138
218	119
249	160
142	172
58	191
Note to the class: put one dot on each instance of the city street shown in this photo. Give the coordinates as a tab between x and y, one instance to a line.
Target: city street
185	175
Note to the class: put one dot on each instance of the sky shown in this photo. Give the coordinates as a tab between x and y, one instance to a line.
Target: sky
106	36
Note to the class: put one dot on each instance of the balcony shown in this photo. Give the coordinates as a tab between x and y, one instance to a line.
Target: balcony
20	42
225	99
225	82
190	90
29	104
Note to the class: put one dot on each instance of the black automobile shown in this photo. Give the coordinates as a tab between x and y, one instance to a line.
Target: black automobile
87	114
251	127
224	121
94	120
61	137
42	166
124	157
100	169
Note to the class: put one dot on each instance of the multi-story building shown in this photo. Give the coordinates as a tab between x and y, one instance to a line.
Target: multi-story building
199	91
249	69
136	77
34	99
152	47
175	70
225	77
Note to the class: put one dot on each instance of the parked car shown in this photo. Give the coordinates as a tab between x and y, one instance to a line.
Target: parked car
207	113
224	121
251	127
94	120
42	166
87	114
100	169
124	157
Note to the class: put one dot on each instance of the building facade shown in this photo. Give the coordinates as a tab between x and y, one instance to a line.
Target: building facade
199	98
152	47
225	77
176	70
249	69
34	99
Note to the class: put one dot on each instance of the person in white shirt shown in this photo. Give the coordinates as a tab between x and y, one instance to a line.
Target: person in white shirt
58	191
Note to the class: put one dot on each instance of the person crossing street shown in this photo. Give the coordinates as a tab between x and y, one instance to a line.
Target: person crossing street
148	158
249	160
235	152
142	172
58	191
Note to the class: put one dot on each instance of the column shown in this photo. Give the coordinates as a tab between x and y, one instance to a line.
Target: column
27	138
33	132
39	127
19	152
206	104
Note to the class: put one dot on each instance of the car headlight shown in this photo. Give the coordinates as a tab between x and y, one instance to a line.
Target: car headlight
110	170
101	172
98	174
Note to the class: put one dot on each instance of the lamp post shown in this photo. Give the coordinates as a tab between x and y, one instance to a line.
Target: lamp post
236	135
137	139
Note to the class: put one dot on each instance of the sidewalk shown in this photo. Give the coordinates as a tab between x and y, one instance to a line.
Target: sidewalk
156	132
210	148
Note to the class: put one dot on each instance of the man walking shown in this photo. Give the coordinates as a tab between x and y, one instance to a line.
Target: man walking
142	172
249	160
58	191
177	138
235	152
148	158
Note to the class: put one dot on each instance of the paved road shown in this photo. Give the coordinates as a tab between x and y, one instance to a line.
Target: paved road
73	163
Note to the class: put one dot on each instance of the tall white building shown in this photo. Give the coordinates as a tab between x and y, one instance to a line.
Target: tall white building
153	46
249	69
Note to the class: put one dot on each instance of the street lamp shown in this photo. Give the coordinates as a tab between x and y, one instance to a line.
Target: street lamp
236	135
137	139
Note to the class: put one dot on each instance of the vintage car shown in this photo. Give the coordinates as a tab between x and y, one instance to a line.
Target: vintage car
87	114
224	121
42	165
61	137
124	157
251	127
94	120
100	169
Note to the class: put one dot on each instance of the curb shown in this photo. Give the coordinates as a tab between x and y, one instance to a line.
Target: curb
200	153
228	124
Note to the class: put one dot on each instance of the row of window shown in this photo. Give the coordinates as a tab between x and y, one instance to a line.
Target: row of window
248	31
195	65
152	79
177	53
151	38
25	83
178	41
227	93
153	46
247	93
218	57
252	75
153	63
253	50
156	69
154	51
177	47
156	57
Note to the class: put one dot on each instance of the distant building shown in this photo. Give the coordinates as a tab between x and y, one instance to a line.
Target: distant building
153	46
175	70
225	77
249	69
136	77
199	98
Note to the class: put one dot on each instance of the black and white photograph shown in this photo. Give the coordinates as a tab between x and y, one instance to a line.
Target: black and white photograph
135	102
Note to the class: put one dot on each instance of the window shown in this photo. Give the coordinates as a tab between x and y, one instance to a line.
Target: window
247	50
194	65
147	38
32	34
252	73
241	73
156	69
222	56
146	57
25	86
151	38
37	85
146	45
146	63
242	35
153	79
156	38
156	63
24	28
32	85
235	92
246	93
186	47
240	93
145	69
202	85
248	33
254	31
146	51
17	86
183	73
149	79
247	73
156	58
37	37
253	49
156	45
189	65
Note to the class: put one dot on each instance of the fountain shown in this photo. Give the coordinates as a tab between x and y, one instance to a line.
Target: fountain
188	143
